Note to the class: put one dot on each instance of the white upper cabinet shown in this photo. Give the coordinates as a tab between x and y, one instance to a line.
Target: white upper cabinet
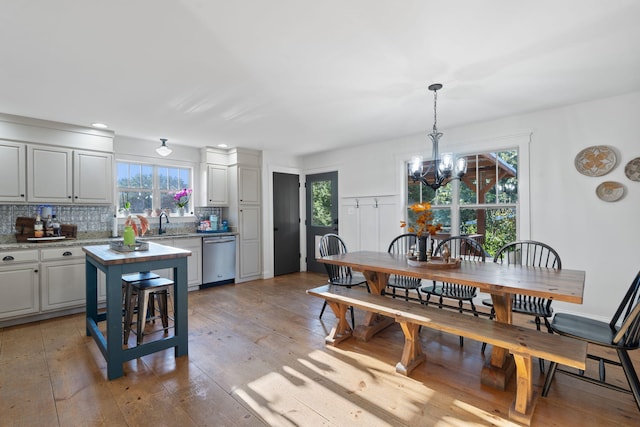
92	177
60	175
50	174
248	185
13	162
217	185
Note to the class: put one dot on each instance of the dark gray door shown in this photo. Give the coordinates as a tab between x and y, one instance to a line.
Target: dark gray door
322	213
286	223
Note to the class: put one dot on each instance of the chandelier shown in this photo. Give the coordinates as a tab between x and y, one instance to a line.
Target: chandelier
443	166
163	150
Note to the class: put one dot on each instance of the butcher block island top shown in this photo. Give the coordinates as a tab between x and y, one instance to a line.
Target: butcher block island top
107	256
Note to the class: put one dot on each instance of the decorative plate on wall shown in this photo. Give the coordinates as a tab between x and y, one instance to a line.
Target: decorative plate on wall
610	191
632	170
595	161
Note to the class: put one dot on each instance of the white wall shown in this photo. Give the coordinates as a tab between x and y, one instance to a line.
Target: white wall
589	234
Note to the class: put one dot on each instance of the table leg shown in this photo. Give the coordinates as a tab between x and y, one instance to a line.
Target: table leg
181	308
373	323
500	368
115	356
91	289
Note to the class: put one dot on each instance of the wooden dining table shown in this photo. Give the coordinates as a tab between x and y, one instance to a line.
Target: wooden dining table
501	281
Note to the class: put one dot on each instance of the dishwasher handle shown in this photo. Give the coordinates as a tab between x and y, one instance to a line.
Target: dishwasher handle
218	240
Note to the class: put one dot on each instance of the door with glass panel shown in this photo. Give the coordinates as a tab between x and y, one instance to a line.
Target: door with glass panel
322	213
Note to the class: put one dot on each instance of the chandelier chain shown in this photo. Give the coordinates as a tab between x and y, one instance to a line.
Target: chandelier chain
435	114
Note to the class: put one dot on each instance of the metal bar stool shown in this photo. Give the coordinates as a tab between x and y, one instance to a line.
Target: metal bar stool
134	277
141	291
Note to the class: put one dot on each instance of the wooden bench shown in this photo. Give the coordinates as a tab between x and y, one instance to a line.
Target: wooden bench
522	343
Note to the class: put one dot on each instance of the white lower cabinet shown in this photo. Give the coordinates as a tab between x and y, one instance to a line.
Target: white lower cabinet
194	262
19	283
35	283
62	278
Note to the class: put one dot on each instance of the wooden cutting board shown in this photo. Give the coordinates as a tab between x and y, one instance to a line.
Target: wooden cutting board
24	228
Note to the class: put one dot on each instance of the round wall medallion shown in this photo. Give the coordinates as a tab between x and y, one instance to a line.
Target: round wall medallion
632	170
595	161
610	191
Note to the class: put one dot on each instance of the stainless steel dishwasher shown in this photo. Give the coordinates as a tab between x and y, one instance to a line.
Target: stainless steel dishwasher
218	260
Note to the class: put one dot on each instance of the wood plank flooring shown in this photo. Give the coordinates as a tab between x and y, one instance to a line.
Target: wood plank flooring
257	357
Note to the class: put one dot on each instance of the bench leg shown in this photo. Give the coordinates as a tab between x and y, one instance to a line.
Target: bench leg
412	354
341	331
522	408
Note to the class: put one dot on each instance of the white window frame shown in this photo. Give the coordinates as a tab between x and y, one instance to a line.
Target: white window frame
156	192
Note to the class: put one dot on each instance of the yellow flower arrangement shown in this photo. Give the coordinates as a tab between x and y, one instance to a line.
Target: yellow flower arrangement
424	221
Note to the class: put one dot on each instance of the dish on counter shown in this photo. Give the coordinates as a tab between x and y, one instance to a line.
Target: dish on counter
632	169
597	160
610	191
42	239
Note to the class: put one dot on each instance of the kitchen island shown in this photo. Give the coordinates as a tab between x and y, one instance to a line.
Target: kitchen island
115	264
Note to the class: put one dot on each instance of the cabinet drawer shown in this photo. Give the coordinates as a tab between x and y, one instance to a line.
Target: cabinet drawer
69	252
14	257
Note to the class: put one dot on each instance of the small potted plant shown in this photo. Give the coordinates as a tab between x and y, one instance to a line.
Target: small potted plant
182	199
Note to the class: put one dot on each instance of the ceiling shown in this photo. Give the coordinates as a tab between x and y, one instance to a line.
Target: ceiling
304	76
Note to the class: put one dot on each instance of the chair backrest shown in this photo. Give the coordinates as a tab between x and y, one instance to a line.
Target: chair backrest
629	313
402	244
462	247
529	253
332	244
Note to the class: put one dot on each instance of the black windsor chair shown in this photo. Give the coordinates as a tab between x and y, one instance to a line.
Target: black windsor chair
622	334
535	254
402	244
459	247
332	244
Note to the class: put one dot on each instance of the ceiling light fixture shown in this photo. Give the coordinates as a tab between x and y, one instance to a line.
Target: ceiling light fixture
163	150
222	145
444	165
99	125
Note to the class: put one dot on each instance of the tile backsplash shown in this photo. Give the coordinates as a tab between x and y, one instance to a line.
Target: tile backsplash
92	221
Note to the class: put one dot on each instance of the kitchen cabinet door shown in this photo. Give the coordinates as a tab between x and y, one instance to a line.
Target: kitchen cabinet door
13	171
92	177
63	284
248	185
217	185
194	262
249	246
19	287
50	174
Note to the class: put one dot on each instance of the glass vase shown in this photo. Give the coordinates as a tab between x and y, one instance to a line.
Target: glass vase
180	211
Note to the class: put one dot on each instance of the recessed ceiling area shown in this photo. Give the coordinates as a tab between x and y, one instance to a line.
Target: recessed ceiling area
308	76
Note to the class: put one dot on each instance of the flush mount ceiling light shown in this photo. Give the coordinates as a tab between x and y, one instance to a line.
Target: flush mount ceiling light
444	165
222	145
163	150
99	125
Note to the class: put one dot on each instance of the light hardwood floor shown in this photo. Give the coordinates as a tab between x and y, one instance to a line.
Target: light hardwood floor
257	357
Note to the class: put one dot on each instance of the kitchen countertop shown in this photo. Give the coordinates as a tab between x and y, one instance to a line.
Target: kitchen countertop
105	240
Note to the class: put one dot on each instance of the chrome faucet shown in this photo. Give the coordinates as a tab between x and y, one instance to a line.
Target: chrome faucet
160	229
